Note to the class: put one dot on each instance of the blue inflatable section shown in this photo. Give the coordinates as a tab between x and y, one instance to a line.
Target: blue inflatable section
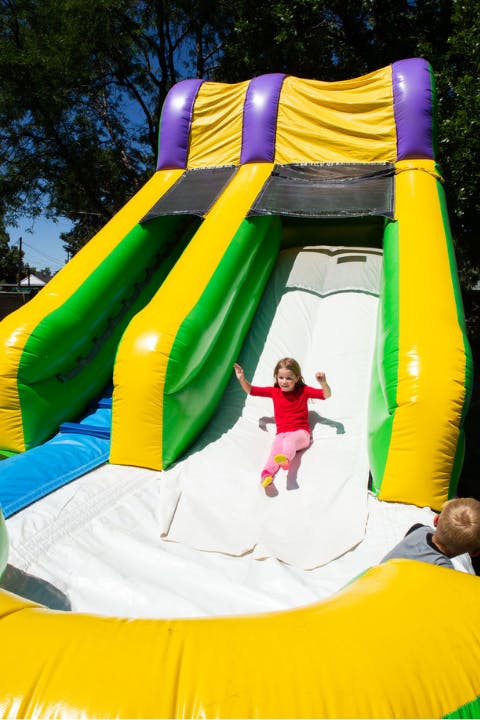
74	451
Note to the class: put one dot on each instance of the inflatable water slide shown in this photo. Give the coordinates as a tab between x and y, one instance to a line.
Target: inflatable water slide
286	217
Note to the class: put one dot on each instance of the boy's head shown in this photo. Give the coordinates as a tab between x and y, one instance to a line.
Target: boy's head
458	527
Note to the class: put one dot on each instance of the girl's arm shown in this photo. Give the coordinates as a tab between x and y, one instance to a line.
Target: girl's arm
241	378
322	379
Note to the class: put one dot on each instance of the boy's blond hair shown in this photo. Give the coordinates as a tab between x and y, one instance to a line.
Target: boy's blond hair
458	526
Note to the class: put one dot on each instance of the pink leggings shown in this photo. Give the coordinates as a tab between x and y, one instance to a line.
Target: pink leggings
288	444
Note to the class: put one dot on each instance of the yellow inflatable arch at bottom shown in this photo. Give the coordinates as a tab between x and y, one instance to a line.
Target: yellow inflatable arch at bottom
386	646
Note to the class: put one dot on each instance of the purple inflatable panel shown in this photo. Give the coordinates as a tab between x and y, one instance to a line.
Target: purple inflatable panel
260	118
175	125
412	103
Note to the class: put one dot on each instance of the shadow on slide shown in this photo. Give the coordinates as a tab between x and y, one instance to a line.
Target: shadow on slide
34	588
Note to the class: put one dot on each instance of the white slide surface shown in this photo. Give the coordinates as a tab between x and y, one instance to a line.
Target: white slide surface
319	510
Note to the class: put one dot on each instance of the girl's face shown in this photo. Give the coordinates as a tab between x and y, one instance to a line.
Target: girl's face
286	380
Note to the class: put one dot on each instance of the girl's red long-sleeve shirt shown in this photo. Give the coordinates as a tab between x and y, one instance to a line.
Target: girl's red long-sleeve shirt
290	408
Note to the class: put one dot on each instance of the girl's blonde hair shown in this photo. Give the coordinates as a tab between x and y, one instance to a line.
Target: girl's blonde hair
293	366
458	526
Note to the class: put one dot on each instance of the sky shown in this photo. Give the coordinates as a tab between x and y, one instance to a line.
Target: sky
41	242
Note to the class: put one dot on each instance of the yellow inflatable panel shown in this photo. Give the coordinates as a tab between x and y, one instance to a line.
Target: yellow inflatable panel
217	123
368	652
345	121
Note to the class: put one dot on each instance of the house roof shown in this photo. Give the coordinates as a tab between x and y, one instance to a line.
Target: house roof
36	278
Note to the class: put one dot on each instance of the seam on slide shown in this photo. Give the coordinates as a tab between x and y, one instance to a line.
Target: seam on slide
69	522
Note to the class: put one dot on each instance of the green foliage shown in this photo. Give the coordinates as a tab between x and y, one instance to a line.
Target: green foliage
83	82
460	126
63	133
328	39
10	259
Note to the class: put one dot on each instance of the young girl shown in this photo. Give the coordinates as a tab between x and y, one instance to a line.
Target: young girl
290	395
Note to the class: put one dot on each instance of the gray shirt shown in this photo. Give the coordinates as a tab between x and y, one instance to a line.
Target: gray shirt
417	545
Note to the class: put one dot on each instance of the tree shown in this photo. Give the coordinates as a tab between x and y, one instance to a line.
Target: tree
11	259
459	111
341	39
83	82
331	39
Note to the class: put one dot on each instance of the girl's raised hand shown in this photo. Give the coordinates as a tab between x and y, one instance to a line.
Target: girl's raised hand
241	377
322	379
238	370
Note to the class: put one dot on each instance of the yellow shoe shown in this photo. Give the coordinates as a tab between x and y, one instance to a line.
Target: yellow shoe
267	480
283	461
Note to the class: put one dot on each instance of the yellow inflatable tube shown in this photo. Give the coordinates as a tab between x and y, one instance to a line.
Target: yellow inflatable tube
139	420
368	652
32	354
429	394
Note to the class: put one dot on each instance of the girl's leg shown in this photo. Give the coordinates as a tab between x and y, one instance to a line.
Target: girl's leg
283	450
292	442
271	466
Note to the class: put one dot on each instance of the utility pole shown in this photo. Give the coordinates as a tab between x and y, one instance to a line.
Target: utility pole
19	272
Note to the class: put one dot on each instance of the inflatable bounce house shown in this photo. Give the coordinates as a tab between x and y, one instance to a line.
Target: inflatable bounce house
286	217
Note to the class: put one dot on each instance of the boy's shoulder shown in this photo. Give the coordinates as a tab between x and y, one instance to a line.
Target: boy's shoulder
417	545
417	526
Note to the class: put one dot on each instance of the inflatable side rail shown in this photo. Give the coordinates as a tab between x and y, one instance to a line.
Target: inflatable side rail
57	351
386	646
171	370
422	369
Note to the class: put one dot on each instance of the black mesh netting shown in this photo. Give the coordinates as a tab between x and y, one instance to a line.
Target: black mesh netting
193	194
328	190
